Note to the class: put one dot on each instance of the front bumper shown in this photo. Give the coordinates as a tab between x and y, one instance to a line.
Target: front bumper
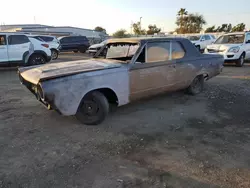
228	56
39	94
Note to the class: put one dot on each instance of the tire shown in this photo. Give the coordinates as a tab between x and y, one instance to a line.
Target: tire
93	109
240	61
54	54
75	51
82	50
198	48
196	86
36	59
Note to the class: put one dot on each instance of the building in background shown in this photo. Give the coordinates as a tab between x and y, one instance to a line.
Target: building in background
93	36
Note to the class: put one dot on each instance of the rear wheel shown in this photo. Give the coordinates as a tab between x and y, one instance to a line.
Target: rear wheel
75	51
82	50
196	86
240	61
93	109
36	59
54	54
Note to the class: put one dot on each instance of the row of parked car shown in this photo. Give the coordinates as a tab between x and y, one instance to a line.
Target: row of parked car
22	49
234	47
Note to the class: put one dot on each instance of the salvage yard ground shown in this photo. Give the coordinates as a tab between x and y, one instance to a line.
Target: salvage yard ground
171	141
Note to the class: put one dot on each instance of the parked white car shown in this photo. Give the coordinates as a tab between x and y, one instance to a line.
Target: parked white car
235	47
17	50
201	41
42	52
54	44
95	47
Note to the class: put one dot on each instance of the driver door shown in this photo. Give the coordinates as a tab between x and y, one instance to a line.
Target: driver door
153	72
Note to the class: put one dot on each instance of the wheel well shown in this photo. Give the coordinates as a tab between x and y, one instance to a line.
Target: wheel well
53	49
244	53
36	53
109	94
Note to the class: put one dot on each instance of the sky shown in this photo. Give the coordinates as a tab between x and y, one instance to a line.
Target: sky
118	14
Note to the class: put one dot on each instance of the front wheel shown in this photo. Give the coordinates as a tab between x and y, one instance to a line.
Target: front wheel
93	109
54	54
36	59
240	61
196	86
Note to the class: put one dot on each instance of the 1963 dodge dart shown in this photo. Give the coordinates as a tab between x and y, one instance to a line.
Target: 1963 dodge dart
122	71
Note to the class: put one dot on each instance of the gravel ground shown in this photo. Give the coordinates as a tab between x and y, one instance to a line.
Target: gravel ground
170	141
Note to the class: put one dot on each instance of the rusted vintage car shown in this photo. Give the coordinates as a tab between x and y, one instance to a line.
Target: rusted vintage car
122	71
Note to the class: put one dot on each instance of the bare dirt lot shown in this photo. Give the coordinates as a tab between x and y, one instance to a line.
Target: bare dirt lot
171	141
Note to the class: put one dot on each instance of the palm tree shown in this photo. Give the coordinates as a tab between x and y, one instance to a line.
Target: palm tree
181	14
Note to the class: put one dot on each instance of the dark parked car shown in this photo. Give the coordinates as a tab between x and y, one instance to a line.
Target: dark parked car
74	43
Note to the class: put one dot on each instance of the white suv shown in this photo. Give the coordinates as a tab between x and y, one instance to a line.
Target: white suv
201	41
235	47
17	49
54	44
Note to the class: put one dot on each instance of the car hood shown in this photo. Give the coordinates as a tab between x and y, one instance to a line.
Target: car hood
96	45
222	47
35	74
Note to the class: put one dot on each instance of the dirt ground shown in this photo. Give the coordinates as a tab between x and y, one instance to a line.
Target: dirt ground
170	141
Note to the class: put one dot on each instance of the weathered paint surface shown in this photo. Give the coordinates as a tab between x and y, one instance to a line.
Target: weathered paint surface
67	83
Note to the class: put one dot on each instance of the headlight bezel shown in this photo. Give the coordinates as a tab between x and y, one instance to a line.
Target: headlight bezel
234	49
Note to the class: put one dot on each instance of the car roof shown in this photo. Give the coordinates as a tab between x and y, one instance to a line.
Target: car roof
142	39
11	33
236	33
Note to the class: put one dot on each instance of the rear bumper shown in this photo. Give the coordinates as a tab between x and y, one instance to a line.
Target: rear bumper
48	59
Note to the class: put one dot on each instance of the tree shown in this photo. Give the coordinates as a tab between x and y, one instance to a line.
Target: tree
122	33
210	29
152	29
100	29
180	15
239	27
192	23
137	29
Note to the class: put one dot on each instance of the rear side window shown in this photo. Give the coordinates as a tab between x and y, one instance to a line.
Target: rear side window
207	37
178	51
46	39
2	40
157	52
18	39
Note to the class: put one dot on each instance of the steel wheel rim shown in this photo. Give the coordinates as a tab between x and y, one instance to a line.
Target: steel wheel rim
54	55
90	108
242	60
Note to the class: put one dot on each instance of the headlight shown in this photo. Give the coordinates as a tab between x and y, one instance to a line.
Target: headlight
234	49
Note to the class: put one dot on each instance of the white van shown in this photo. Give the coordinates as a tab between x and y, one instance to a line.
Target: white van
16	49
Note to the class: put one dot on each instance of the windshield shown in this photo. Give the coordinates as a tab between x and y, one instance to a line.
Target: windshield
230	39
119	51
103	42
196	37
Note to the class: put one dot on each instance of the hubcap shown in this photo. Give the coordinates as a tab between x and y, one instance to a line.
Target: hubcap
90	108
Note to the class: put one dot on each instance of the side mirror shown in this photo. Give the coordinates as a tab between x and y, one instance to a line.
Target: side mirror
202	39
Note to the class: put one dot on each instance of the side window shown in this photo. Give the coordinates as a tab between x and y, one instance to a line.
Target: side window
46	39
207	37
158	51
18	39
2	40
213	37
248	37
178	51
